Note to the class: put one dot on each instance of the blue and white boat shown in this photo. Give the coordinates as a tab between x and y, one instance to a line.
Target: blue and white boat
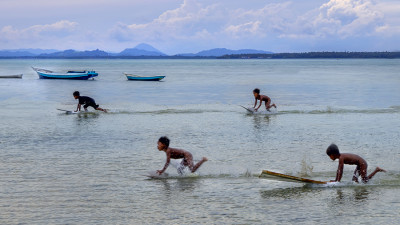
71	75
143	78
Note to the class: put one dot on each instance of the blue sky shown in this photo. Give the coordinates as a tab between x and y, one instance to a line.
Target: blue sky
189	26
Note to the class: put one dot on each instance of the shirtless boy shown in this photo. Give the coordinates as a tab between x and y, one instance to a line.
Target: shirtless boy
87	101
266	99
174	153
350	159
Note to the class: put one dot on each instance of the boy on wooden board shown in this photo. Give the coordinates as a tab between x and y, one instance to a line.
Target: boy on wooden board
266	99
351	159
174	153
86	101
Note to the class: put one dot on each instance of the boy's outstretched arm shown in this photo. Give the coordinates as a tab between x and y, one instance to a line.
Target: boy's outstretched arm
166	165
339	172
255	103
78	108
258	105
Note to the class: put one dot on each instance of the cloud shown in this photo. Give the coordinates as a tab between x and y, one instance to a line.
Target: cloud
199	24
37	32
196	21
349	17
213	23
190	20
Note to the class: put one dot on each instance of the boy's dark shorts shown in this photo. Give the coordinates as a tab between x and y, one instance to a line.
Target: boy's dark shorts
91	104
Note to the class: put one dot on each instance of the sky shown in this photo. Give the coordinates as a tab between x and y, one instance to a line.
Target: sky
190	26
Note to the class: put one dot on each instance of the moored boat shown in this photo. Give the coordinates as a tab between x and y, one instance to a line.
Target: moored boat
18	76
143	78
71	75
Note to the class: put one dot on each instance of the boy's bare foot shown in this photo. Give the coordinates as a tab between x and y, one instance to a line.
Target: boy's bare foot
204	159
378	169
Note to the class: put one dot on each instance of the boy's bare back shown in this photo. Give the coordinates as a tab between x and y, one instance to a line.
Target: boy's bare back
264	98
351	159
176	153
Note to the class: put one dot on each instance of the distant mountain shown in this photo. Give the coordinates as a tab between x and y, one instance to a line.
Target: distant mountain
223	51
8	53
76	54
29	52
38	51
141	50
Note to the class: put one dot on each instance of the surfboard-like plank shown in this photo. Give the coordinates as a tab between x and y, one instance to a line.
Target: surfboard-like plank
284	177
68	111
155	175
250	110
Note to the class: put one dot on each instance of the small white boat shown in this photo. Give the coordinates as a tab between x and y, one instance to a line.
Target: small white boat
71	75
17	76
143	78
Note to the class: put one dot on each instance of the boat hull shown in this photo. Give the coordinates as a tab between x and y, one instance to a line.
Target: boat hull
136	78
68	76
18	76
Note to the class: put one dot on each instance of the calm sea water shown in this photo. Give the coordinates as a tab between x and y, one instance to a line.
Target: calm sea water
89	168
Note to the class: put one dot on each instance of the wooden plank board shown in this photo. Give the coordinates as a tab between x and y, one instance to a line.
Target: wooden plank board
289	178
250	110
68	111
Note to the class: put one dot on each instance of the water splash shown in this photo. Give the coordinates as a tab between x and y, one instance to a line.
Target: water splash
306	167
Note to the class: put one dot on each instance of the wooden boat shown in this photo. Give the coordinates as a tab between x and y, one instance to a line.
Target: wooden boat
18	76
143	78
71	75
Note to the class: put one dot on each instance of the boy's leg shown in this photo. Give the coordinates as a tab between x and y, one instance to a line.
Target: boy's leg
267	106
204	159
104	110
378	169
363	172
96	107
356	173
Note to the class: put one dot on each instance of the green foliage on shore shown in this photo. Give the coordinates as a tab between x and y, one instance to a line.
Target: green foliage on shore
316	55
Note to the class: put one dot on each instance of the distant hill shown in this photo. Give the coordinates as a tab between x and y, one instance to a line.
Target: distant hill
141	50
76	54
317	55
217	52
7	53
29	52
38	51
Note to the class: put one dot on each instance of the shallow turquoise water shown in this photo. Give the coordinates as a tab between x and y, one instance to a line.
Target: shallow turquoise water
89	168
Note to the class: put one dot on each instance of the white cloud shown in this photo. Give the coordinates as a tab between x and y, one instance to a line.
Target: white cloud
199	24
249	28
190	20
58	29
350	17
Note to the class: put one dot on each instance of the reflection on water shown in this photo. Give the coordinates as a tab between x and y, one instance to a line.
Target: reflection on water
84	118
260	121
358	194
174	187
289	193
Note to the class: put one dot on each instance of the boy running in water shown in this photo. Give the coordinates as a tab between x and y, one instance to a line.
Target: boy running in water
86	101
266	99
174	153
350	159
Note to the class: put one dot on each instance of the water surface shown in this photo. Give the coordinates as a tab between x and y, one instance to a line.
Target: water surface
89	168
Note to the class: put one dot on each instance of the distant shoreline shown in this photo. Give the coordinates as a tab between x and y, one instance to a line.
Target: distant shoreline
317	55
306	55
